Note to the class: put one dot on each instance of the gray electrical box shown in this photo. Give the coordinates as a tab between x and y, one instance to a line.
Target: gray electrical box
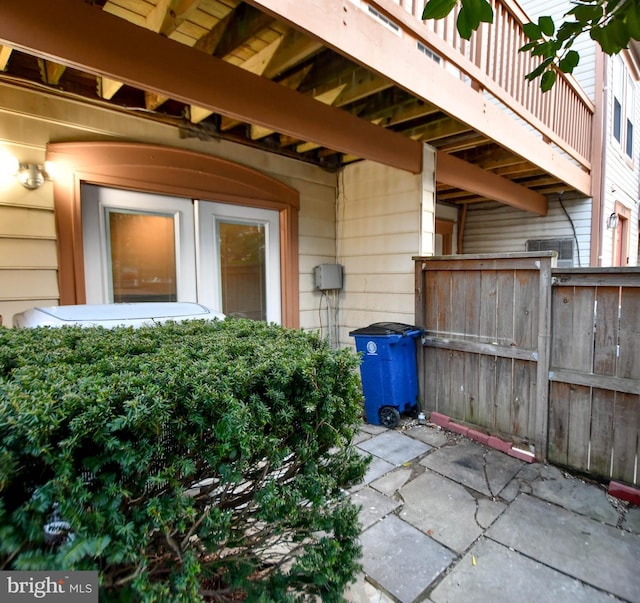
328	276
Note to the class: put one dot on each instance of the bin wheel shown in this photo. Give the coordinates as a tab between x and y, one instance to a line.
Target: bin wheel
389	417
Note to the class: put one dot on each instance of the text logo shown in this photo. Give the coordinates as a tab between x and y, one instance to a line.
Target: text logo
67	587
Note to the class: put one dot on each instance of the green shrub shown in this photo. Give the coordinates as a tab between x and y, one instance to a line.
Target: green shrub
186	462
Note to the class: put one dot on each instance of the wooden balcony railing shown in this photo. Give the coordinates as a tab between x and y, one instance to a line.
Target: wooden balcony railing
492	65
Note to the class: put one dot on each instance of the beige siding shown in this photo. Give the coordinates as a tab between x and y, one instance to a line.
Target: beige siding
379	231
494	228
28	263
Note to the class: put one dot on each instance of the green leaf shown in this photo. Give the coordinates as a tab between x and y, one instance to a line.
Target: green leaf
471	9
568	30
437	9
477	11
463	25
613	37
548	80
585	13
547	25
539	69
569	62
486	12
532	31
632	19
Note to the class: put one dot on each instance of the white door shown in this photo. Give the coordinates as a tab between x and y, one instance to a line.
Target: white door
148	247
239	260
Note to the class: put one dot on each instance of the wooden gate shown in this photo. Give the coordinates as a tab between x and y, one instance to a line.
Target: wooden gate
594	396
484	356
534	354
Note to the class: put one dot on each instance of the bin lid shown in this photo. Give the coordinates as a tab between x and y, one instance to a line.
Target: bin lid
113	315
386	328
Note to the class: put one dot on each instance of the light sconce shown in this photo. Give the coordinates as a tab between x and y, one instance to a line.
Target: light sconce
612	221
30	175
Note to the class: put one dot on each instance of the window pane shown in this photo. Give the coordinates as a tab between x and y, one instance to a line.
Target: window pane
630	139
243	269
617	119
143	257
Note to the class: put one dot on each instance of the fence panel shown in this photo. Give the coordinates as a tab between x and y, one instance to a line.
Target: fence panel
594	402
542	356
481	316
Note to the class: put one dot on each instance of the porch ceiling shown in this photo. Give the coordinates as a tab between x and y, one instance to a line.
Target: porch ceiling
286	92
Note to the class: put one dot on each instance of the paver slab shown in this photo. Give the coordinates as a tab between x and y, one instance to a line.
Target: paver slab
485	470
374	506
394	447
391	482
401	559
377	468
598	554
632	520
493	572
362	591
446	511
574	494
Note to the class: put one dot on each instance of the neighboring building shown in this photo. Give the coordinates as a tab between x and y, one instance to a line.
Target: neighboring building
596	230
219	150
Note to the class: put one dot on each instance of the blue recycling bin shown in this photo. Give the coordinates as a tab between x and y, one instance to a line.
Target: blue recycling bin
388	370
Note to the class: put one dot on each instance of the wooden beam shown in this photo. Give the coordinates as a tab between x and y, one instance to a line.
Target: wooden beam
256	64
179	11
50	72
108	87
5	53
458	173
349	30
295	48
82	36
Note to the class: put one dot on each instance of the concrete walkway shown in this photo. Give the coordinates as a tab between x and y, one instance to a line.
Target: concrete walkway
448	520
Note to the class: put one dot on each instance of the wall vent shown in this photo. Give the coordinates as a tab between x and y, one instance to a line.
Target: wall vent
562	246
432	55
388	23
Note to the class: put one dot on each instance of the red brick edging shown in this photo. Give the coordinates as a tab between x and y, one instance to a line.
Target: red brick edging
624	492
493	442
617	489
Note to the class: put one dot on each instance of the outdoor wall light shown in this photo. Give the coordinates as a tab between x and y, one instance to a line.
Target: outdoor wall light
612	221
30	175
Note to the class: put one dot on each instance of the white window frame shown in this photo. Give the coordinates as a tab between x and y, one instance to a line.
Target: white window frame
195	225
98	201
208	214
624	96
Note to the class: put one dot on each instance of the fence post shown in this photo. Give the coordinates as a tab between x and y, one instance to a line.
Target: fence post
420	322
541	418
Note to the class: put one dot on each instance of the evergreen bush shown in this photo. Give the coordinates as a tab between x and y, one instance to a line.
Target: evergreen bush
200	461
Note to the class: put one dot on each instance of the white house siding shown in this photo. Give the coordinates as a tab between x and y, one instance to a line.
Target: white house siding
495	228
385	218
621	181
28	257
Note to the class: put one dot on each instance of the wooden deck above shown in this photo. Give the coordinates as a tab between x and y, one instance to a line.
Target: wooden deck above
326	81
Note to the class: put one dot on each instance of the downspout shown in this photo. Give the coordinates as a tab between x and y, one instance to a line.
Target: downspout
598	157
462	220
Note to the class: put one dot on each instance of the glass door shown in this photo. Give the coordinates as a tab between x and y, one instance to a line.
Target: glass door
239	260
147	247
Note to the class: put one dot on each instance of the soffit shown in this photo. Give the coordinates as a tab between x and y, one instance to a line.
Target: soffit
240	35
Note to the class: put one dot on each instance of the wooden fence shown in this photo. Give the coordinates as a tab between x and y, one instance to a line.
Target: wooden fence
544	357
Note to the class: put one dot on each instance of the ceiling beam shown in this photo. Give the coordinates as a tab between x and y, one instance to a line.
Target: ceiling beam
458	173
51	30
349	30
